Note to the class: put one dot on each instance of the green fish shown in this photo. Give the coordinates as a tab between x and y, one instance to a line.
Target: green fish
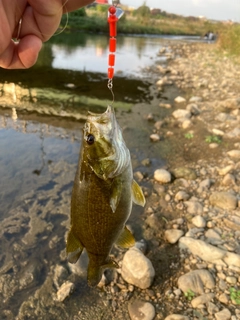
102	195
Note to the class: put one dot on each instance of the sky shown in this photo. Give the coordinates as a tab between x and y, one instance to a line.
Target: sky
211	9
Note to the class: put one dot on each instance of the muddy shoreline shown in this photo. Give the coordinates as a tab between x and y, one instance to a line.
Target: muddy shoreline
184	208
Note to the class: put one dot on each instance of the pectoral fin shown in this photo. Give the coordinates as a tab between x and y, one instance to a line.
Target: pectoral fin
74	248
137	194
116	192
126	239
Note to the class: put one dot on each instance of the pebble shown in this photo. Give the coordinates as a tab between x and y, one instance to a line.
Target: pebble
199	221
224	314
194	207
162	176
182	195
155	137
181	114
196	281
202	299
179	99
137	269
235	154
186	173
177	317
173	235
223	199
223	298
141	310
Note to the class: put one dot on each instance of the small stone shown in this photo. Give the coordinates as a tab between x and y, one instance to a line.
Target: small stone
234	154
196	281
199	221
162	175
137	269
225	170
202	299
141	310
212	308
155	137
182	195
65	290
173	235
231	280
228	180
177	317
223	298
225	314
180	99
194	207
223	199
186	173
181	114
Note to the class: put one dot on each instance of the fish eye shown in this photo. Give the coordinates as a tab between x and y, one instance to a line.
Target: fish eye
90	139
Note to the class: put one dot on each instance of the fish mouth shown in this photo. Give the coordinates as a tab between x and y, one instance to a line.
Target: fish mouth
110	110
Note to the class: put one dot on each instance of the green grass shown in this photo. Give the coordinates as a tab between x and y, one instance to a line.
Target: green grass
189	135
95	20
229	40
235	295
189	294
213	139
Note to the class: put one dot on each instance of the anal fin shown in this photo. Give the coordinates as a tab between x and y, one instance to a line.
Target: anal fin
126	239
137	194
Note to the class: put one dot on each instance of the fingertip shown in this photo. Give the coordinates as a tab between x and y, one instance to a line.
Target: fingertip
28	50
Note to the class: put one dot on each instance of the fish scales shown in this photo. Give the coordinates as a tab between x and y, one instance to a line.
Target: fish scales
102	195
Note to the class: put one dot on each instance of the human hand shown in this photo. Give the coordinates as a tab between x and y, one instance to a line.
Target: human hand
39	20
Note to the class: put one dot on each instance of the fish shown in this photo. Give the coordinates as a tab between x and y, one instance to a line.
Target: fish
102	195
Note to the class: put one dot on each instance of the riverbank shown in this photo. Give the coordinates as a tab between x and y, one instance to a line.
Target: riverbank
189	232
94	20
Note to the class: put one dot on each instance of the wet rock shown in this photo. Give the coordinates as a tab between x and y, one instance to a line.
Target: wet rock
173	235
177	317
224	314
199	221
186	173
137	269
31	274
193	108
165	105
234	154
162	175
223	199
141	310
65	290
202	299
196	281
153	222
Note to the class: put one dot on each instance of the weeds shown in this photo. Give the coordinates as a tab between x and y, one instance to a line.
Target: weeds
189	294
189	135
235	295
213	139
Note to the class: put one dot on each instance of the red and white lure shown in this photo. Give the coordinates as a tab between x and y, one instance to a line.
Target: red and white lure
114	14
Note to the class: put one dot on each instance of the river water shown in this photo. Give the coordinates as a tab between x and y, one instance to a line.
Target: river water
41	116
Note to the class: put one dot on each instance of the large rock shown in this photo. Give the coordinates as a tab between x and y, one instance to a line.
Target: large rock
196	281
141	310
137	269
223	199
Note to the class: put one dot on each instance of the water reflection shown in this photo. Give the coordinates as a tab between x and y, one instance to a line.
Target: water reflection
90	53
